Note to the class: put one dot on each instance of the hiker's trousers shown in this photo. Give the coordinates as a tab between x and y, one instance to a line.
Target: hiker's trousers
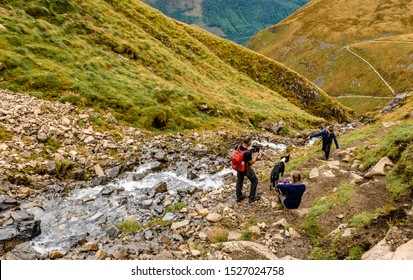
240	181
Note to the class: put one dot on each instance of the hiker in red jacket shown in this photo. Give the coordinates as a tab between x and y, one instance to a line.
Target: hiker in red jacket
250	156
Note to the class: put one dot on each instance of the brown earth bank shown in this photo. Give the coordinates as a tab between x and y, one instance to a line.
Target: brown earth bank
50	151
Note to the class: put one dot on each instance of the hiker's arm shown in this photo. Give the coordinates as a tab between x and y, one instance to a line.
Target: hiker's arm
254	158
335	141
318	134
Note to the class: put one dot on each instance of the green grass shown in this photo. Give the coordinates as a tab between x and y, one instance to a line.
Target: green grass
5	135
364	105
361	219
396	144
318	254
130	225
363	134
147	70
160	223
322	206
175	207
355	253
218	235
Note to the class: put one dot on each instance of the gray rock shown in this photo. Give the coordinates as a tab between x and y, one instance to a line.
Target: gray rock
7	202
168	217
20	216
20	231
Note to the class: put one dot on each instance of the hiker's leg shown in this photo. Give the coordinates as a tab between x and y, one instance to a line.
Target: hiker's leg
327	151
240	182
254	182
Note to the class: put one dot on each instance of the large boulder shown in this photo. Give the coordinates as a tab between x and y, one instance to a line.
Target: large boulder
380	168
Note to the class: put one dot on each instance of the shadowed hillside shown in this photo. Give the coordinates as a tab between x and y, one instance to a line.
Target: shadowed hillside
346	47
150	71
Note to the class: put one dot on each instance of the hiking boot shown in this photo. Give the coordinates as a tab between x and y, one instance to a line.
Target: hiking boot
239	199
256	198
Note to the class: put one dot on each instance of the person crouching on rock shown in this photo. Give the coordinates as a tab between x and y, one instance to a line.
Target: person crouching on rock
294	191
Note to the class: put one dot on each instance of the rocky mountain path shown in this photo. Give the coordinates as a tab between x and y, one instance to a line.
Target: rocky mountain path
284	231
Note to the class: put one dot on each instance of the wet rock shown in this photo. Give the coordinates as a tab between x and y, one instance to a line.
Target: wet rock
19	232
107	191
114	172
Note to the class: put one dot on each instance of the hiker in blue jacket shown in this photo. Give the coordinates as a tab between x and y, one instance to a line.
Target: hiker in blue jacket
327	137
294	192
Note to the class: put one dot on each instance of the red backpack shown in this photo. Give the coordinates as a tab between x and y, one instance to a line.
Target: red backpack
237	158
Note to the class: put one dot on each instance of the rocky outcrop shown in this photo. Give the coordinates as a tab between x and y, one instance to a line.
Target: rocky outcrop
384	249
395	103
380	169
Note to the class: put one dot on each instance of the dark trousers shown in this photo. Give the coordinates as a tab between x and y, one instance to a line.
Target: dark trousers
240	181
326	149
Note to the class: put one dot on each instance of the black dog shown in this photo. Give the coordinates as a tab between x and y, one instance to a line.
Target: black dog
278	170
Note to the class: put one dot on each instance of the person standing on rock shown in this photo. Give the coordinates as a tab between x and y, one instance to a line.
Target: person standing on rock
250	156
327	137
294	192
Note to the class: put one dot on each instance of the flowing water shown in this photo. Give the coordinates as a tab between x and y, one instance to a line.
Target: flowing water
95	210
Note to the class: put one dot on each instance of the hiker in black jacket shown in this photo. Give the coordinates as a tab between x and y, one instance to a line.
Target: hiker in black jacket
327	136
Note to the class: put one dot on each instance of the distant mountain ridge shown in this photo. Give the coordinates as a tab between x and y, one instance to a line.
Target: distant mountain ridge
236	20
333	42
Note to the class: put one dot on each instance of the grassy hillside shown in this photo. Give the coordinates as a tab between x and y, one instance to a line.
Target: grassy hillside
237	21
313	42
148	70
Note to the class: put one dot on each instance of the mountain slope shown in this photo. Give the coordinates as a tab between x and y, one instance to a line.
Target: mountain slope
314	40
233	20
150	71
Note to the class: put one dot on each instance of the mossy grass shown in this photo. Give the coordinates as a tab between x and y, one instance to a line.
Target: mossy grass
175	207
149	71
129	225
5	135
